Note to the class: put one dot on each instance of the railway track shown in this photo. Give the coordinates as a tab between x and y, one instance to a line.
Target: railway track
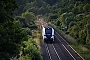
52	56
73	58
68	48
59	50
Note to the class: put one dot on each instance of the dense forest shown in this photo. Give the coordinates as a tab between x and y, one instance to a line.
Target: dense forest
18	21
16	33
71	16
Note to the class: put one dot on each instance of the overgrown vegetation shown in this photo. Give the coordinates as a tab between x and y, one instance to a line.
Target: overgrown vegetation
18	21
70	16
16	33
73	19
30	50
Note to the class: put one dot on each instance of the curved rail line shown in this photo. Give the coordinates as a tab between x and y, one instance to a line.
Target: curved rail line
48	51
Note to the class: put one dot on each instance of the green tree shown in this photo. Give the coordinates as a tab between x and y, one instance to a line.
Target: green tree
31	50
80	8
62	10
72	23
86	9
11	35
50	2
75	10
71	6
20	21
66	18
29	17
57	22
82	37
88	31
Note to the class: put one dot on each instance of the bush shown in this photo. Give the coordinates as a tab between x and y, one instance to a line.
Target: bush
31	50
26	57
33	26
66	32
4	56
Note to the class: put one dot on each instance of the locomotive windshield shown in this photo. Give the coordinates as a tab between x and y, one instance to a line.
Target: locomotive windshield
48	30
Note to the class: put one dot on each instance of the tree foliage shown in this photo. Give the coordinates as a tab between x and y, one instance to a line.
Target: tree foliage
29	17
10	34
72	16
31	50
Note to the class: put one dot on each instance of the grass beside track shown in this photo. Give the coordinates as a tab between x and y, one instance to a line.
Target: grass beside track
36	35
82	50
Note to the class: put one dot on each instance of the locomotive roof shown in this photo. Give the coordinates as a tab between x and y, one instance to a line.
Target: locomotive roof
48	27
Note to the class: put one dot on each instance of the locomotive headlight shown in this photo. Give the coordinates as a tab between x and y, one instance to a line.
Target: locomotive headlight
52	35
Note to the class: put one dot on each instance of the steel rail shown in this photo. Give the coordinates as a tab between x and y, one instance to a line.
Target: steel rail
66	48
47	49
69	45
56	52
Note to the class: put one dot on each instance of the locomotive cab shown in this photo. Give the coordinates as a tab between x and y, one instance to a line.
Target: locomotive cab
48	34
